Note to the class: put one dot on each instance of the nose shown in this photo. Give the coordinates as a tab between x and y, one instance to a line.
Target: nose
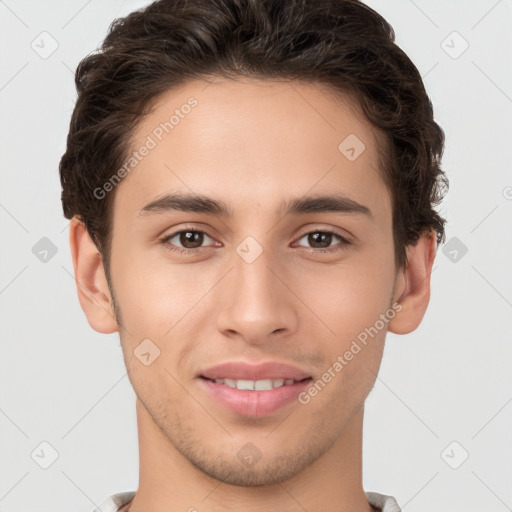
256	300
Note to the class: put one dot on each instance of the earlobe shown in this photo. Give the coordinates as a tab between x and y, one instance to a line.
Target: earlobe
91	282
413	285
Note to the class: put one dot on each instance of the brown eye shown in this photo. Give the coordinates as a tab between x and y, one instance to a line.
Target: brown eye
319	237
321	241
191	239
185	240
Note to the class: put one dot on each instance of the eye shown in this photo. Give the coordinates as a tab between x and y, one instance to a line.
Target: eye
191	240
324	238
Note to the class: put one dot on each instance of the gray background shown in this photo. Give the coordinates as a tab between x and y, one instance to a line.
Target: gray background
443	393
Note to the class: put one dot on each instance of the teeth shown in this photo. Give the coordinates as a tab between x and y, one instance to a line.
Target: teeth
255	385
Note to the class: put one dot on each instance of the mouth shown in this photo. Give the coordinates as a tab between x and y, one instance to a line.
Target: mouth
256	385
254	398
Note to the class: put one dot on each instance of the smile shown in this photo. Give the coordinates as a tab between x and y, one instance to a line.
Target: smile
254	398
255	385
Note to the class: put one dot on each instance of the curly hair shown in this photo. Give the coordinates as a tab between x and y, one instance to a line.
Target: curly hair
340	43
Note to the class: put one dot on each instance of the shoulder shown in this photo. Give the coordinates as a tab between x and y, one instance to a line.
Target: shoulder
383	502
116	502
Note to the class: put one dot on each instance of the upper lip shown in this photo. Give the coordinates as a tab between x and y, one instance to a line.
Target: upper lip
245	371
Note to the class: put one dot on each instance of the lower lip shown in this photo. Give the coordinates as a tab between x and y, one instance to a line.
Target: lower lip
255	404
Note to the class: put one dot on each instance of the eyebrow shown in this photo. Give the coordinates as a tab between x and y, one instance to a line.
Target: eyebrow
301	205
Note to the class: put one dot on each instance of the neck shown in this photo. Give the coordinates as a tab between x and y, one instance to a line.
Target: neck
169	482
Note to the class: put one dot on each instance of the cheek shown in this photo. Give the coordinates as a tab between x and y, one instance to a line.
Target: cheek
351	304
155	295
347	297
160	303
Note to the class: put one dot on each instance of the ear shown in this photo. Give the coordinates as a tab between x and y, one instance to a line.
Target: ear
91	282
412	288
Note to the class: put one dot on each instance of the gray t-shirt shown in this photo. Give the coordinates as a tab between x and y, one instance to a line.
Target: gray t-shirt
380	501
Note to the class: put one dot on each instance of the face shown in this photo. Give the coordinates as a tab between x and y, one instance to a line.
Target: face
258	283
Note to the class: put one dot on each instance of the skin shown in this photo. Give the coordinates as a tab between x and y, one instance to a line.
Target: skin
252	144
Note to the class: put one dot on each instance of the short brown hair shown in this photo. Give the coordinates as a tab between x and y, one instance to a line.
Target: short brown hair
341	43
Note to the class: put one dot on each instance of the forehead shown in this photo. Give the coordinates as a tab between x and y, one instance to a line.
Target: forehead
252	141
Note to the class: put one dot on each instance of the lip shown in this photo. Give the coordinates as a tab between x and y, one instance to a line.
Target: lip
244	371
255	404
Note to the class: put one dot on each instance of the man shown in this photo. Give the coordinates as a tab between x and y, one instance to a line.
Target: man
252	186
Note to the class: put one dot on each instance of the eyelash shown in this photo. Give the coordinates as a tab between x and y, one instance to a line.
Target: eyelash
168	246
